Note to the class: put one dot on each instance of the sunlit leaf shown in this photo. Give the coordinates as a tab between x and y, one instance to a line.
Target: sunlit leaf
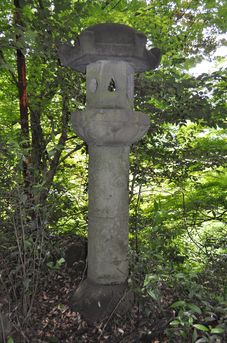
201	327
217	330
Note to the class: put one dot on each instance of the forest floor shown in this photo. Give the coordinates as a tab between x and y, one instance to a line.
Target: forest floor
52	321
148	321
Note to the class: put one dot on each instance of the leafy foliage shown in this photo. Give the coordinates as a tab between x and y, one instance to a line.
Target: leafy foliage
178	172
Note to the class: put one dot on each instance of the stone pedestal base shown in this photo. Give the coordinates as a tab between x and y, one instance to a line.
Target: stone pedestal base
96	302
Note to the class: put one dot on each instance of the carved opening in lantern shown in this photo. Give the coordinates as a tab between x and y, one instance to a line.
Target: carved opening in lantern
112	86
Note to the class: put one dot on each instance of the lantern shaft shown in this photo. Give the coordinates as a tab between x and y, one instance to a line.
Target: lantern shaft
108	214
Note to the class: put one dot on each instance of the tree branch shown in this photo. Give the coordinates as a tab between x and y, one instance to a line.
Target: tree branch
54	163
8	68
78	147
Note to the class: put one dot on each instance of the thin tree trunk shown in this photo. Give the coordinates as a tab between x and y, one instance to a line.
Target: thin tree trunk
54	163
38	145
23	98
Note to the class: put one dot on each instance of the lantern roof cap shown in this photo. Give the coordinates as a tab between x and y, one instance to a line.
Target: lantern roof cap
109	41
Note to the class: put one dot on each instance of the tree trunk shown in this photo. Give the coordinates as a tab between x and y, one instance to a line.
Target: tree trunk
23	98
56	158
35	169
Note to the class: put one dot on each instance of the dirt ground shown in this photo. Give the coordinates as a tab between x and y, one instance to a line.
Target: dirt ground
52	321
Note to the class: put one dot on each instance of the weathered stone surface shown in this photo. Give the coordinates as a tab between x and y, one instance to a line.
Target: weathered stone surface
110	54
110	127
96	302
108	214
109	118
115	42
110	85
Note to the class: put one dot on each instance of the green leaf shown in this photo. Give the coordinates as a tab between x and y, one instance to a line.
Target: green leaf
194	308
217	330
179	303
50	265
60	262
194	335
10	340
174	323
152	294
149	278
201	327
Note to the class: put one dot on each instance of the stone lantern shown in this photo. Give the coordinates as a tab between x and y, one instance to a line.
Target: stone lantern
109	54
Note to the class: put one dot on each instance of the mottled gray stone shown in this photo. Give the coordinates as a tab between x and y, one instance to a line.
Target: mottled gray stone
110	42
96	302
110	54
105	73
108	214
109	118
110	127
